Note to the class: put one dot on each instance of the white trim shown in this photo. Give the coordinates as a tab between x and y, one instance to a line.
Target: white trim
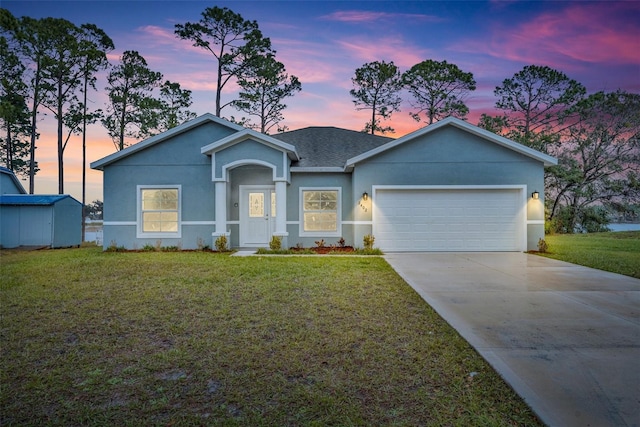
198	222
317	169
522	212
141	234
246	134
448	187
119	223
535	222
233	222
301	231
461	124
357	222
244	162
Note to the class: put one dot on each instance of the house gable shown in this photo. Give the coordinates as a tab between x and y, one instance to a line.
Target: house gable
201	129
250	147
452	122
9	182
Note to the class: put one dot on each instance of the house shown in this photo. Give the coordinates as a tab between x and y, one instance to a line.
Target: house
53	221
9	182
450	186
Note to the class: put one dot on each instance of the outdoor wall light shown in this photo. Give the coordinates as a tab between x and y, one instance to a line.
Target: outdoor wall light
535	195
365	196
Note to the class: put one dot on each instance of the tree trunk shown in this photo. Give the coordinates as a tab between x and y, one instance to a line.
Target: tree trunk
60	144
32	147
84	151
9	148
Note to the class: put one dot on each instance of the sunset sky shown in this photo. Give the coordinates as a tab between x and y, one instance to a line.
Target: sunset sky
323	42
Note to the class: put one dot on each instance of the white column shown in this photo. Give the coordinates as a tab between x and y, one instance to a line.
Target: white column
221	209
281	208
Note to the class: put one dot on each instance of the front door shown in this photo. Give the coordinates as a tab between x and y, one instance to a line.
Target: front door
257	215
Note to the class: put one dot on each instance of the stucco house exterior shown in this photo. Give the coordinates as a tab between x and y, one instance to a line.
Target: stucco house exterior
53	221
450	186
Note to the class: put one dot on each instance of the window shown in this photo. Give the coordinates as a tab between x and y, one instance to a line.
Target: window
159	211
320	212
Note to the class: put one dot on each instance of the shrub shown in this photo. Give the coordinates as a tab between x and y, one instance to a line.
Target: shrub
202	246
341	243
542	246
148	248
276	243
221	243
320	243
368	241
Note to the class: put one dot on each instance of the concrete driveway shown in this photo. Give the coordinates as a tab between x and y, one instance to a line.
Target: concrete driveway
565	337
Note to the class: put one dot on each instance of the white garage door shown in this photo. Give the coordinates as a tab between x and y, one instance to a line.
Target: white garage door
448	220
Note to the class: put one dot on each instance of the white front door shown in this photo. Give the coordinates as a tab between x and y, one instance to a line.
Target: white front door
257	215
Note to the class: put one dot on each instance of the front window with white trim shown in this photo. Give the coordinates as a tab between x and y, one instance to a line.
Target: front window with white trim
159	211
320	212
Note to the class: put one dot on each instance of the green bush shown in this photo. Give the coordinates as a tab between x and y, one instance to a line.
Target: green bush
542	246
221	243
276	243
368	241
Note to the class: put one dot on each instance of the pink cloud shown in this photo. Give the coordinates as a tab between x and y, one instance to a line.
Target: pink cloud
583	32
358	16
387	49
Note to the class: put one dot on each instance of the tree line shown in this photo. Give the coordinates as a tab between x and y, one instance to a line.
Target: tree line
51	65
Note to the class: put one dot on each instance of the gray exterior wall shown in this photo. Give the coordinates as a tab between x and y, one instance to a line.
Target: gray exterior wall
319	180
8	183
176	161
451	156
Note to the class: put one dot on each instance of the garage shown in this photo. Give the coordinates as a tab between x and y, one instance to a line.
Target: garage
457	219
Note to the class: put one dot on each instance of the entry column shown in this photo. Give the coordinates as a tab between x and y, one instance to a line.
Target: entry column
281	211
221	211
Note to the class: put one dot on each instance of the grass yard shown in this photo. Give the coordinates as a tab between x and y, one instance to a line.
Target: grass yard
181	339
618	252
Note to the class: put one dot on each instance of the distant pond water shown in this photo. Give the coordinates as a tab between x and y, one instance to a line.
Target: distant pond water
624	227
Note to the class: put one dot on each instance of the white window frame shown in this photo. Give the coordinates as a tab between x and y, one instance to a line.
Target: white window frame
338	232
159	235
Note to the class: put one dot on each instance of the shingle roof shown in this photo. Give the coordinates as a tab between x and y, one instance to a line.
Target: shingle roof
329	146
31	199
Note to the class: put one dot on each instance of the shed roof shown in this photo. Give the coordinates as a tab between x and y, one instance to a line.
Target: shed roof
32	199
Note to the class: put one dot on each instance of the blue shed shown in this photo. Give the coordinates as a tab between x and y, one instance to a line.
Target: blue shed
40	220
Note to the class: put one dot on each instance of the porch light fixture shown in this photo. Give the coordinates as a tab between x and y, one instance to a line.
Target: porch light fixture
365	196
535	195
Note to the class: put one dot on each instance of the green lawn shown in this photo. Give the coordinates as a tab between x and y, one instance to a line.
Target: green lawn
93	338
617	252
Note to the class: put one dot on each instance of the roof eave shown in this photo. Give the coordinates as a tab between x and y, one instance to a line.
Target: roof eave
208	117
546	159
